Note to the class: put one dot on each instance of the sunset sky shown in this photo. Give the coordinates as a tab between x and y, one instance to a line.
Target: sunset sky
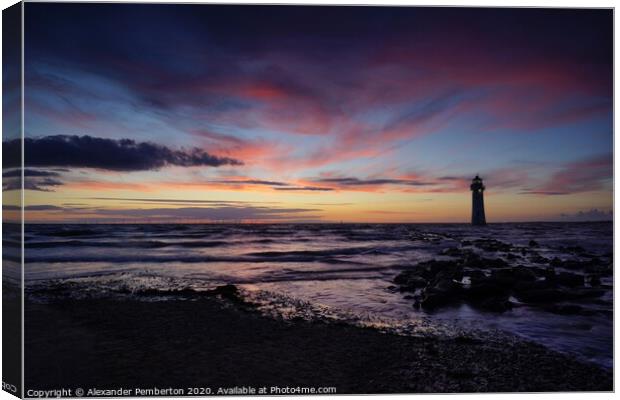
260	114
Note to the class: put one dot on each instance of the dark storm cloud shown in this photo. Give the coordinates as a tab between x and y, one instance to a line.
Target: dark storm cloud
109	154
28	172
175	66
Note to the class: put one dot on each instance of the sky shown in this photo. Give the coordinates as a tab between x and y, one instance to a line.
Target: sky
196	113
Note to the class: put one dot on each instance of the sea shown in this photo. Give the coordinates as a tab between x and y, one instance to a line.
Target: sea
329	269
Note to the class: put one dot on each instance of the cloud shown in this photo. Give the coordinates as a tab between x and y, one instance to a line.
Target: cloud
34	179
306	188
586	175
44	207
176	201
373	182
28	172
108	154
250	182
282	93
329	182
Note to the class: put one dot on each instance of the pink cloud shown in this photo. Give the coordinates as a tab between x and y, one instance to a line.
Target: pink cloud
586	175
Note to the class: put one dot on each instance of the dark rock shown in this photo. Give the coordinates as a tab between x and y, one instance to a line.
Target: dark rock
486	289
476	276
225	291
569	279
407	278
428	273
475	261
401	278
492	245
433	300
538	259
446	286
524	273
445	267
449	272
509	277
497	304
503	277
444	292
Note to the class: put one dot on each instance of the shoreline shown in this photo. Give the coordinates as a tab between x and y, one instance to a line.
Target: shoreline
222	341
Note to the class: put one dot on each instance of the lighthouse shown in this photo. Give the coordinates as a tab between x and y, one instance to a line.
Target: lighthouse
477	202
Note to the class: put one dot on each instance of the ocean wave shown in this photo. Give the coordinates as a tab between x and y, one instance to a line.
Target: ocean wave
139	244
163	258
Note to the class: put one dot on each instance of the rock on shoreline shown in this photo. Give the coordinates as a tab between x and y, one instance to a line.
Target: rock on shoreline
492	284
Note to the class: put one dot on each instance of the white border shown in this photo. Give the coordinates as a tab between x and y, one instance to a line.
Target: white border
478	3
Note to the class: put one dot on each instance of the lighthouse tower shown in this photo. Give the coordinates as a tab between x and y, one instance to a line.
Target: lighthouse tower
477	202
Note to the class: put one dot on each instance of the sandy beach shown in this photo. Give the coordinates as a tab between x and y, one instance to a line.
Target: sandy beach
216	342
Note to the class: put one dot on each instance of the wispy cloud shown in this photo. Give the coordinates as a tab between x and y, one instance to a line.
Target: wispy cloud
146	200
306	189
585	175
250	182
34	179
350	181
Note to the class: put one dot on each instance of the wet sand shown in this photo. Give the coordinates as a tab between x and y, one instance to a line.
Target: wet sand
208	342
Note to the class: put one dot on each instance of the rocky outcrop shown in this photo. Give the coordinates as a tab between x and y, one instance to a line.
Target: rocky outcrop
493	284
